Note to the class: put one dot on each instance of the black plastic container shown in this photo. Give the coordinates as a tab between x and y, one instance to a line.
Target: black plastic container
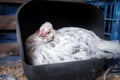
35	12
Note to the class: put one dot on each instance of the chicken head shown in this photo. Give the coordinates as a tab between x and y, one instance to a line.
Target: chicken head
46	31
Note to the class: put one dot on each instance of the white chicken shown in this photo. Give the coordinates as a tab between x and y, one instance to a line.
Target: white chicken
68	44
36	40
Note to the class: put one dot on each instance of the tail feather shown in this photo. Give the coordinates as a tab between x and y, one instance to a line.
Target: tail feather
109	46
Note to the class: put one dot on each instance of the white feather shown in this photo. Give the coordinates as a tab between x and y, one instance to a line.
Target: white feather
109	46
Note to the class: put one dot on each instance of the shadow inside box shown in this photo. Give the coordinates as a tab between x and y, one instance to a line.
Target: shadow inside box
8	38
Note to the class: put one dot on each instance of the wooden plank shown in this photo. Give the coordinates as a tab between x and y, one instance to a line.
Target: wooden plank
8	49
7	23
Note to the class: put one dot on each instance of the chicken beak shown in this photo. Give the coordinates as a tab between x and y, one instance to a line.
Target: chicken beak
42	35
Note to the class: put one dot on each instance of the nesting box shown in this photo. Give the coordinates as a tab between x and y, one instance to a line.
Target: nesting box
60	13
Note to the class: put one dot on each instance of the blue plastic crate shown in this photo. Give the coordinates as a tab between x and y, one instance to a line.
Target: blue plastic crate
111	11
115	33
